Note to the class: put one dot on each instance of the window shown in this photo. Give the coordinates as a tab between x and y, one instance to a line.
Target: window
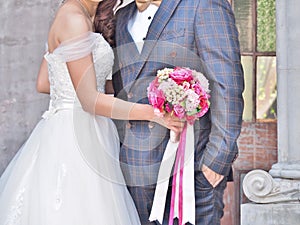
255	20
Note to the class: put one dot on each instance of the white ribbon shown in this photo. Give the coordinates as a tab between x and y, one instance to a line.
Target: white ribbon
165	169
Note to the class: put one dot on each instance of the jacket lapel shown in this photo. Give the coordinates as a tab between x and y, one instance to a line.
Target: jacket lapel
161	18
124	15
127	51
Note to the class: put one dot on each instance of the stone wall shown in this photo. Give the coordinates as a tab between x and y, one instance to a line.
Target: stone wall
24	26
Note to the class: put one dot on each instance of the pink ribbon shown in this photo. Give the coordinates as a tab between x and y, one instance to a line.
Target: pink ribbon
179	156
178	163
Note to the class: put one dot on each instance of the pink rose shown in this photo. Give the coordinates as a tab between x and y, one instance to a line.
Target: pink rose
203	105
197	88
157	99
153	85
179	111
168	108
179	75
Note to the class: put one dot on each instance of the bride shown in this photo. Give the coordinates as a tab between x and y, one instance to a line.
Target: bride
67	172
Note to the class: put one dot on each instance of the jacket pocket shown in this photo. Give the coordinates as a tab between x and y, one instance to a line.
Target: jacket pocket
171	34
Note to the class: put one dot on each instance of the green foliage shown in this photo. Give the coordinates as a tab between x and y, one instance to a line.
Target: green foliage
266	26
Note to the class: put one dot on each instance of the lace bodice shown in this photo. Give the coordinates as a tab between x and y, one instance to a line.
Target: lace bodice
61	87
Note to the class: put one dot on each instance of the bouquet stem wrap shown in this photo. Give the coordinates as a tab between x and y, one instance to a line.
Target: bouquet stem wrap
183	192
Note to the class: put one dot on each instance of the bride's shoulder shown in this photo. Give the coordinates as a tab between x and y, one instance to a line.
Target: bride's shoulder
70	22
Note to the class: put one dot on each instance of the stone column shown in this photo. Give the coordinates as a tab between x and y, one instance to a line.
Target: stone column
279	190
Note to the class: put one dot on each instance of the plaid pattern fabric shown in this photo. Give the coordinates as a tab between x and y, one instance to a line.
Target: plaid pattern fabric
200	34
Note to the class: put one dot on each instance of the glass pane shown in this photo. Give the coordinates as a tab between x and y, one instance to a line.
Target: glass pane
266	26
243	14
266	104
248	92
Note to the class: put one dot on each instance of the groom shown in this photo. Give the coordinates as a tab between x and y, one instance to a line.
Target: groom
199	34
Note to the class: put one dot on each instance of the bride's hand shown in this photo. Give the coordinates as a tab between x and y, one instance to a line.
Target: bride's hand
171	122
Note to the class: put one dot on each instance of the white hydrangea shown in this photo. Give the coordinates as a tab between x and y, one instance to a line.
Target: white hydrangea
192	101
163	74
173	92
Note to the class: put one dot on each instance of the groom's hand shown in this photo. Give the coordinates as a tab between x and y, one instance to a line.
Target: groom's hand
213	178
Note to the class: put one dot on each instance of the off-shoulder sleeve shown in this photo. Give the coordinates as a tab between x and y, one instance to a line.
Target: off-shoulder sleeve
76	48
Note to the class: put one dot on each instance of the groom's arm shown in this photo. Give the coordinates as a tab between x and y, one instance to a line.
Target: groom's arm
218	45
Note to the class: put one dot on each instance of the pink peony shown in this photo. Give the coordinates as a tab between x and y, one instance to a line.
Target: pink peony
179	75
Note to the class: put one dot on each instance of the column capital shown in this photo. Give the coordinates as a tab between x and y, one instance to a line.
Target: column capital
260	187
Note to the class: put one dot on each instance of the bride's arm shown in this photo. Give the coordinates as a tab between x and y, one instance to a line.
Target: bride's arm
83	77
42	83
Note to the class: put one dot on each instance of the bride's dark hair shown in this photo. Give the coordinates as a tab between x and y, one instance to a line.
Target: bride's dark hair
105	20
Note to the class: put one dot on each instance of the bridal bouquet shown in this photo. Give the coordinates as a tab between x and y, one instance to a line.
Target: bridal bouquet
180	91
184	93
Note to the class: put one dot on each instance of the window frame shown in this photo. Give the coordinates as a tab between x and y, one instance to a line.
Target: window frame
254	54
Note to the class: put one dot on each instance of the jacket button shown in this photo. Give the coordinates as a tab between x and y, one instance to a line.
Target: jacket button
130	95
128	125
151	125
120	65
173	54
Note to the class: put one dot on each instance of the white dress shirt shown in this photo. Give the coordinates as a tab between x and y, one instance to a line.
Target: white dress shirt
139	24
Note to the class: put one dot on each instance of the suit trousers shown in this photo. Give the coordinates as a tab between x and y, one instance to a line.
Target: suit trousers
209	202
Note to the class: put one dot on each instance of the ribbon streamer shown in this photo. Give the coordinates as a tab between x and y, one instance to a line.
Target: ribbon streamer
183	192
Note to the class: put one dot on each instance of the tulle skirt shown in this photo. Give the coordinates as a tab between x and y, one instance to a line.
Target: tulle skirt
67	173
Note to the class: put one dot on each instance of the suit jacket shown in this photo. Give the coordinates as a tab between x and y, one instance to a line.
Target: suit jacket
199	34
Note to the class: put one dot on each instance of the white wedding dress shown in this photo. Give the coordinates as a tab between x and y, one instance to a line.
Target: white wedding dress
68	172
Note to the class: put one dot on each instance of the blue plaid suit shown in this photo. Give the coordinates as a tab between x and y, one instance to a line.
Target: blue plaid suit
200	34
